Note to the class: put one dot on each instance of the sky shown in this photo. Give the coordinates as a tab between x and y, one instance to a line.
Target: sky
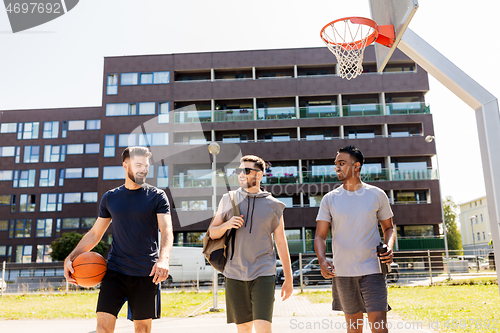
60	64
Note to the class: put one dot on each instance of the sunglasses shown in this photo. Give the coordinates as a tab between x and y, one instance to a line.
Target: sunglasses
246	170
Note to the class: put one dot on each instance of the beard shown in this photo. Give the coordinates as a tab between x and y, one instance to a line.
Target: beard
249	183
139	180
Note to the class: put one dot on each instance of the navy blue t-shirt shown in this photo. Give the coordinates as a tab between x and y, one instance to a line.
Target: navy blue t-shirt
134	249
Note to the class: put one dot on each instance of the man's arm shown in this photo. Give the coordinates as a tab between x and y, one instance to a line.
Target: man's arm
161	267
322	228
219	227
389	239
87	243
282	247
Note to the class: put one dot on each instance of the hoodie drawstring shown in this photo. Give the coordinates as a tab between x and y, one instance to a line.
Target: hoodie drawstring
253	209
250	217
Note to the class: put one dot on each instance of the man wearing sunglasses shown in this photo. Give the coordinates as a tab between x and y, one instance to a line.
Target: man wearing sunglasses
250	280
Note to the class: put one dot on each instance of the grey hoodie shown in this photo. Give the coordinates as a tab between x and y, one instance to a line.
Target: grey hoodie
253	254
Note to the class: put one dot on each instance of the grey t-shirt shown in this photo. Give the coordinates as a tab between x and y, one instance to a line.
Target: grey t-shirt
254	254
354	217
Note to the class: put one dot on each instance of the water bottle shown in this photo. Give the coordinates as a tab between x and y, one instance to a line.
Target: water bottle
381	249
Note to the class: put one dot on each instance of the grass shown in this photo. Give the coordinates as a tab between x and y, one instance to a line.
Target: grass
456	306
83	305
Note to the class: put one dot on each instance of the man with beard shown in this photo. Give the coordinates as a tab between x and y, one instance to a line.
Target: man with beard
353	212
251	264
136	266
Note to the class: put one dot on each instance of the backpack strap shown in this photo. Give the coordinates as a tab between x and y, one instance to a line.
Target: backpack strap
236	212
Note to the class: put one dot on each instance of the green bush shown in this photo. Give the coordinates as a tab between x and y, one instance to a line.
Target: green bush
63	246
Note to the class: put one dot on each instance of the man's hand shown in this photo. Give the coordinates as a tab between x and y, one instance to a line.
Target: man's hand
286	289
160	271
234	222
68	271
386	258
327	269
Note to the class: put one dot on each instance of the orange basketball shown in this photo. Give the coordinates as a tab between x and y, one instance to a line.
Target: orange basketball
90	268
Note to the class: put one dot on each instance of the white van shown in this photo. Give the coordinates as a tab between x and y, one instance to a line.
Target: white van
184	263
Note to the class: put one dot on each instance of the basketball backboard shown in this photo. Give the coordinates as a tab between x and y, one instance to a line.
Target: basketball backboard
397	13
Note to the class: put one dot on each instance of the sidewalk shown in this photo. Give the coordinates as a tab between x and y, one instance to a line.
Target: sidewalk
295	315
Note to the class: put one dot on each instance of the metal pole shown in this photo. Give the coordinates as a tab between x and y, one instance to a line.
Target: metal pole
301	276
197	275
3	277
215	277
430	265
473	234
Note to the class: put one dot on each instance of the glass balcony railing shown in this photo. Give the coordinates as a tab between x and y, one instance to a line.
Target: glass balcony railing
181	117
233	115
318	177
320	111
420	243
406	108
189	181
276	113
278	179
361	110
374	175
417	174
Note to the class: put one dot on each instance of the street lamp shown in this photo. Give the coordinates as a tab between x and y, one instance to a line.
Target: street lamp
429	139
214	149
473	234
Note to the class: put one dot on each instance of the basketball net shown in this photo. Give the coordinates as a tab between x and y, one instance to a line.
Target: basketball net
347	41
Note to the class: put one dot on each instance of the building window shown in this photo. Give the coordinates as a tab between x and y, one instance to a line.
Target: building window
71	173
276	137
91	172
113	172
28	131
4	225
127	140
31	154
13	203
8	128
76	125
478	236
26	178
18	154
3	250
163	113
50	130
162	176
361	134
27	202
4	200
9	151
112	88
147	108
484	235
64	129
88	222
146	78
481	217
121	109
23	253
75	197
20	229
89	197
48	202
75	149
43	253
93	124
43	228
194	205
109	145
61	177
54	153
153	139
47	178
128	79
70	223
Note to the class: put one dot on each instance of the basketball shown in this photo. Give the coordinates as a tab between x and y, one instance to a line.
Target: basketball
90	268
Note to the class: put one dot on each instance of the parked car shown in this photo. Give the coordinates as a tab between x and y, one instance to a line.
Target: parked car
471	260
393	276
184	262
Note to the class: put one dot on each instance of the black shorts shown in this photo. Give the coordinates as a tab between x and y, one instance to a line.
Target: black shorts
142	294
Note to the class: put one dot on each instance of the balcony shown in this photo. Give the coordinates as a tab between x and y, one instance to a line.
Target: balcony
186	117
362	110
407	108
276	113
188	181
273	180
320	111
418	174
233	115
316	177
420	243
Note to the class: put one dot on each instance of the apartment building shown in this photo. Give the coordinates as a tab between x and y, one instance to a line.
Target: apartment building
288	106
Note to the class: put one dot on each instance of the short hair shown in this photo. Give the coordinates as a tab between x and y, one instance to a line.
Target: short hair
259	162
354	152
136	151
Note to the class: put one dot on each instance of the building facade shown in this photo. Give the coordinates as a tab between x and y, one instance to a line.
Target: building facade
287	106
475	227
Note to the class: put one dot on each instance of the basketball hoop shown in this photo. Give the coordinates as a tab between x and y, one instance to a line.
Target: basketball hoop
347	39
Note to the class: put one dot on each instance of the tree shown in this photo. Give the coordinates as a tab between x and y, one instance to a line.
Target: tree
63	246
454	237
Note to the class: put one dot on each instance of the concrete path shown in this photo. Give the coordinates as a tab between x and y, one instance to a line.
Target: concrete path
295	315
